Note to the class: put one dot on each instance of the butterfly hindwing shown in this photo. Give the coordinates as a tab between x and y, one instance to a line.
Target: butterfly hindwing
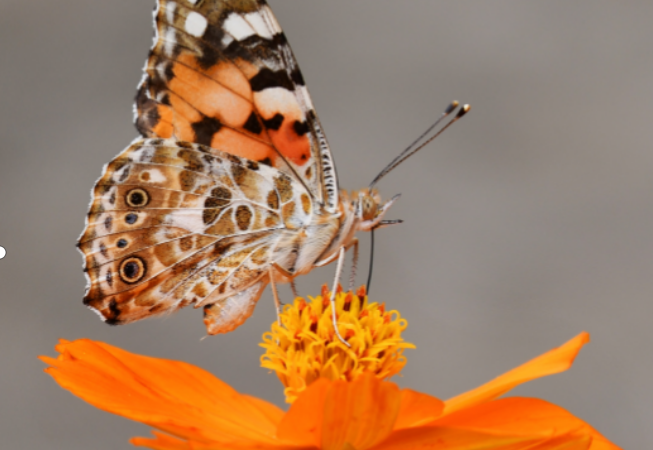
173	223
222	74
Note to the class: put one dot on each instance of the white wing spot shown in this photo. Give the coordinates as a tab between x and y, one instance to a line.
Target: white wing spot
170	41
170	12
238	27
161	69
188	220
192	2
256	20
156	176
226	40
196	24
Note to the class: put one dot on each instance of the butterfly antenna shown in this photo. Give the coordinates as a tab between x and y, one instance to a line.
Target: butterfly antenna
412	149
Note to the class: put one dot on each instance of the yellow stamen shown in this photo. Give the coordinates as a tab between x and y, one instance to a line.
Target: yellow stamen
305	347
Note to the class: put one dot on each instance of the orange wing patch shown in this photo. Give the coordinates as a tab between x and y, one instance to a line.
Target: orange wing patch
207	95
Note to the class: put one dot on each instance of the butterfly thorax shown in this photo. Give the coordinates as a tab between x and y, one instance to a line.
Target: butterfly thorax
318	242
357	211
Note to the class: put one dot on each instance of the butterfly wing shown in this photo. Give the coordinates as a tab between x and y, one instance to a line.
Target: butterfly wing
173	223
222	74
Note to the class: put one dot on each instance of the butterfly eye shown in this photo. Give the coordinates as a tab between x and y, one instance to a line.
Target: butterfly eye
137	198
369	207
132	269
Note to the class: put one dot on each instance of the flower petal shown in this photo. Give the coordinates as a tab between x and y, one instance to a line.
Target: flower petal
516	416
271	412
160	442
178	398
359	413
565	442
417	409
507	424
165	442
303	421
554	361
461	439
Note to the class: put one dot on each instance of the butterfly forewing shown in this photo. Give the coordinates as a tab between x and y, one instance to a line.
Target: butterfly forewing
221	74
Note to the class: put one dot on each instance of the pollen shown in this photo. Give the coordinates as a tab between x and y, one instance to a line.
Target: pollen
305	348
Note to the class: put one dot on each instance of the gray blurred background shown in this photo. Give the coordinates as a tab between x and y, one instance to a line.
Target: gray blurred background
529	221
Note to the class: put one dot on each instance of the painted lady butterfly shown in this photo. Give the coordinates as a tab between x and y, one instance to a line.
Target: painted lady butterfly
232	185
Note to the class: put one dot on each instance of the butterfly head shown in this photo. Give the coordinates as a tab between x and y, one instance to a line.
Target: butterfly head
369	209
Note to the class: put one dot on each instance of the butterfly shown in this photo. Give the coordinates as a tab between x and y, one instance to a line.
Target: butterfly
231	185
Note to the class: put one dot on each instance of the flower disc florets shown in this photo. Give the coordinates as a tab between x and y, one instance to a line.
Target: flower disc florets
304	347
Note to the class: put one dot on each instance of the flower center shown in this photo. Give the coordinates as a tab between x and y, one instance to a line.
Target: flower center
304	347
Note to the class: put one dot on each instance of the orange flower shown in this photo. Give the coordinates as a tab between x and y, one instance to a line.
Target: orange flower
195	410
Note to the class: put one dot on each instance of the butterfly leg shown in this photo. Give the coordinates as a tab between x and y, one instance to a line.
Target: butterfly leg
341	260
294	289
275	294
354	264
